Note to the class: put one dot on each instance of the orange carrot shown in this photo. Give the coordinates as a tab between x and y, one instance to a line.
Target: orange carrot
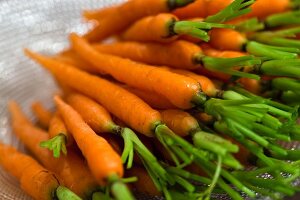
227	39
107	162
215	6
152	98
180	122
42	114
140	75
59	136
178	54
35	180
115	19
69	169
195	9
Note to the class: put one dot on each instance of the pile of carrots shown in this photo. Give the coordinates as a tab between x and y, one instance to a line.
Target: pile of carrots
188	96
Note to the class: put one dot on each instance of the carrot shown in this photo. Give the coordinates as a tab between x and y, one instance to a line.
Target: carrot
59	137
153	99
42	114
69	168
166	28
101	90
84	137
35	180
193	10
115	19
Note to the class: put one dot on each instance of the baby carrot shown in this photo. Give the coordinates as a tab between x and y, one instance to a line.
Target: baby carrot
193	10
69	168
35	180
166	28
42	114
59	136
104	162
115	19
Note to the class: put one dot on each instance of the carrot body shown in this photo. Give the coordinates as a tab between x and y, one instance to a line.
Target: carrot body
227	39
214	6
35	180
42	114
178	54
57	127
70	169
115	19
93	114
141	76
152	98
264	8
195	9
152	29
116	100
102	159
182	123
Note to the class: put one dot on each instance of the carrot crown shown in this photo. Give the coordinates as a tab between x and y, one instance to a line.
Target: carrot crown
64	193
233	10
173	4
56	144
282	19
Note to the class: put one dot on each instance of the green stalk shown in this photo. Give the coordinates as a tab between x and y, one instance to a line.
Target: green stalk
56	144
288	68
272	52
290	97
196	29
295	133
119	189
250	25
227	65
276	41
100	196
233	10
293	155
64	193
173	4
286	84
283	19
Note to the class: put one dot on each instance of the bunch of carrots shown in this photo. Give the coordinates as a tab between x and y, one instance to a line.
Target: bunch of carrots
187	96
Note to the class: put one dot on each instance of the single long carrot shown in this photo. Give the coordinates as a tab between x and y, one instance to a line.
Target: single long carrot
115	19
69	168
107	162
42	114
59	137
166	28
35	180
100	90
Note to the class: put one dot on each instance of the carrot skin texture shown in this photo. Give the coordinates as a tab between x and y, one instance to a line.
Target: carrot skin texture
138	75
34	179
195	9
151	29
227	39
82	105
102	159
111	96
115	19
179	121
42	114
69	168
181	52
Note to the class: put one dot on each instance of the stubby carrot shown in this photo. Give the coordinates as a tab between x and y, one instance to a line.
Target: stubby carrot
35	180
105	164
42	114
115	19
134	112
59	136
166	28
69	168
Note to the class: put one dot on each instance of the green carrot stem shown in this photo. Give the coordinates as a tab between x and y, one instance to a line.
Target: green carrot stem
290	97
230	161
268	132
233	10
184	183
288	68
119	189
282	19
286	84
56	144
295	132
264	192
173	4
277	41
64	193
250	25
196	29
227	65
293	155
100	196
272	52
